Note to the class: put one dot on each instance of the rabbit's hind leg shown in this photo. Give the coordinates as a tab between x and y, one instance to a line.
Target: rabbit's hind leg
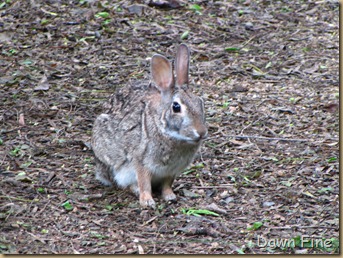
103	173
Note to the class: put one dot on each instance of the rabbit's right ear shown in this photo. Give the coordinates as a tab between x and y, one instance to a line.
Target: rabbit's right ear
182	65
162	73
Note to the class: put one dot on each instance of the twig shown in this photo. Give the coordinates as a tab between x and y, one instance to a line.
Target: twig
149	221
15	198
10	130
213	186
48	202
296	226
267	138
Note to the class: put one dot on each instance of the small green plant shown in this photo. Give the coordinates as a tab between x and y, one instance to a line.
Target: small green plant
286	9
40	190
109	207
67	192
10	52
15	152
196	8
306	49
185	35
325	189
198	213
256	225
332	159
104	15
44	22
67	206
232	49
26	164
106	22
226	104
97	235
4	3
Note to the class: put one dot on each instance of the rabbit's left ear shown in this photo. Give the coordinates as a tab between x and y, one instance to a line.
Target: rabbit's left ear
182	65
162	73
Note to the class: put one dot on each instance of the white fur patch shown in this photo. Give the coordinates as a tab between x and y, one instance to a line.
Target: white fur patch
125	177
178	136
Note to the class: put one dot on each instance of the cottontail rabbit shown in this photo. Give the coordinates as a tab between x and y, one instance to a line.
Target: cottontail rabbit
150	131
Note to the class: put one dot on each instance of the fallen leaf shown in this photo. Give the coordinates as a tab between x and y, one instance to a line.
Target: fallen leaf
171	4
21	120
43	84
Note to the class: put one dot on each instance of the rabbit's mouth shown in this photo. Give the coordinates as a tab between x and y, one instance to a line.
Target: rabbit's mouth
192	137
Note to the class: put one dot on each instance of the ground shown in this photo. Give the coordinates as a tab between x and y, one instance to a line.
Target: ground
267	176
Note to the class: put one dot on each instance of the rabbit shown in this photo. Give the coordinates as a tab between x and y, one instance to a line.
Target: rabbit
150	131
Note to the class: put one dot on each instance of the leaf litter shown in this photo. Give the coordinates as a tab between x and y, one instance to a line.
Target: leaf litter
268	72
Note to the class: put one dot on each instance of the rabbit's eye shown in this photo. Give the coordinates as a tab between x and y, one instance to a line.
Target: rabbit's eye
176	107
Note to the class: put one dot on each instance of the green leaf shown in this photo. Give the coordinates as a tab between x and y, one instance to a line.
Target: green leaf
26	164
185	34
200	165
67	192
44	22
98	235
286	183
188	171
256	225
102	15
105	22
325	189
240	251
332	159
275	159
41	190
109	207
27	62
21	174
195	7
225	104
268	65
15	152
232	49
67	205
198	213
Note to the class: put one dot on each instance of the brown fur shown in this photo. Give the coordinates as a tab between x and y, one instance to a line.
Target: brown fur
140	142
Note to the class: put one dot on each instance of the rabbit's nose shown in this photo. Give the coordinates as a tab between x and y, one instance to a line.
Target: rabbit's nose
203	134
200	134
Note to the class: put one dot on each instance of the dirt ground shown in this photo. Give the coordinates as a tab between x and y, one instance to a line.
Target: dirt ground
268	73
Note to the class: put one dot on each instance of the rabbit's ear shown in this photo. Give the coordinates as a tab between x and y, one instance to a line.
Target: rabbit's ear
182	65
162	73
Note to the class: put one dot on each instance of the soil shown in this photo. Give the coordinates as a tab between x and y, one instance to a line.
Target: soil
268	172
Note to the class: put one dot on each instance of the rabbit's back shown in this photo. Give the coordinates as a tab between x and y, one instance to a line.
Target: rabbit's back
117	131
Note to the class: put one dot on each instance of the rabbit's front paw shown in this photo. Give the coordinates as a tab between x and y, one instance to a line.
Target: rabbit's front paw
168	195
146	200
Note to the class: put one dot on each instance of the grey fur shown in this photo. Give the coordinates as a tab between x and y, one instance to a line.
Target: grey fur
140	142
